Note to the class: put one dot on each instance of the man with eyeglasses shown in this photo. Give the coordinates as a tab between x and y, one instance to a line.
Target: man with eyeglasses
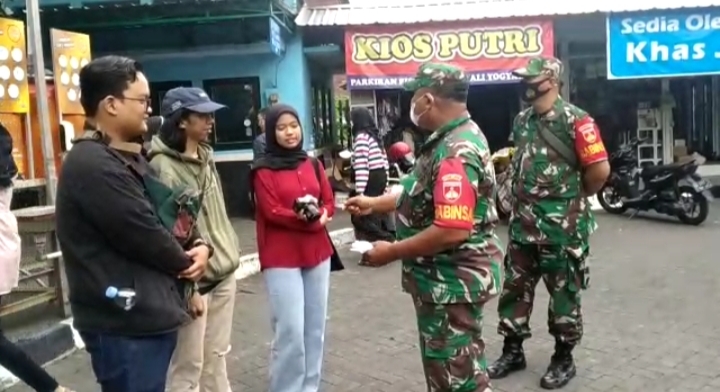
124	266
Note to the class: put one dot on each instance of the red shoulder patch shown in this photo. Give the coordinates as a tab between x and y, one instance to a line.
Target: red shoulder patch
453	196
588	142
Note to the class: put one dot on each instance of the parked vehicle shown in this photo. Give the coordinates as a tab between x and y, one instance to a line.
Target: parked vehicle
675	189
401	160
503	177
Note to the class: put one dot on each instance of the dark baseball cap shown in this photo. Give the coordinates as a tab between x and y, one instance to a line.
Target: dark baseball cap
191	98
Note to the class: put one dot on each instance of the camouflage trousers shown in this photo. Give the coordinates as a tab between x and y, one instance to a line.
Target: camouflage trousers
452	347
563	269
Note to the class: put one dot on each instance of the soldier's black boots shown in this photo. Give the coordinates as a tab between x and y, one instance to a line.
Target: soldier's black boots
561	369
511	360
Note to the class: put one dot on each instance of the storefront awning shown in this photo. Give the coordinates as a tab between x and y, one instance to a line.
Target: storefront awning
458	10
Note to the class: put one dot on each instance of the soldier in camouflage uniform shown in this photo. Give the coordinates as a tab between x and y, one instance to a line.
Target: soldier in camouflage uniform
451	256
551	220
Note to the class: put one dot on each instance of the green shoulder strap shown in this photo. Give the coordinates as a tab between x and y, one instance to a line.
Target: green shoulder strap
168	202
560	147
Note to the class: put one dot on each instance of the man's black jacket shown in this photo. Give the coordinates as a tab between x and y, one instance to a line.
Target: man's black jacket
110	235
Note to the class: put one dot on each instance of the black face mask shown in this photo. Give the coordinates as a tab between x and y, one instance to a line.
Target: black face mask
532	91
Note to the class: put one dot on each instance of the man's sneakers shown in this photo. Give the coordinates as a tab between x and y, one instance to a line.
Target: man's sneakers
511	360
559	373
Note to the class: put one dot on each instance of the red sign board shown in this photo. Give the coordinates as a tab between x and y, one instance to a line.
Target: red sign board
378	57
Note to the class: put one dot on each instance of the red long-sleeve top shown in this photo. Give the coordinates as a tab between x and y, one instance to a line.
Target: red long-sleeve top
283	240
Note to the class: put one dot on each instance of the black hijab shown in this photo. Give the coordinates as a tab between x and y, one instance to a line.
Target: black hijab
277	157
363	121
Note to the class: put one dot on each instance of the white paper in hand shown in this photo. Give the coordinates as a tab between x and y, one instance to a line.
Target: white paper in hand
360	246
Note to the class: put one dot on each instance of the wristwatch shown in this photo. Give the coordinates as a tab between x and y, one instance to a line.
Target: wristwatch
201	241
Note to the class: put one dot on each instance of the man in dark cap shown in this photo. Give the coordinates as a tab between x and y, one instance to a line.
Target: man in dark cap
182	157
446	232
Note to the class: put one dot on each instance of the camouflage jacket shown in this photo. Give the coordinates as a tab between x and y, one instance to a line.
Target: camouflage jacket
470	272
548	206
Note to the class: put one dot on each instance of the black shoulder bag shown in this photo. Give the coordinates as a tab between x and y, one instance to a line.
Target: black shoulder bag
336	263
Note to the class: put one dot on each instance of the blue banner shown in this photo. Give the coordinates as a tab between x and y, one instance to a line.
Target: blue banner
277	44
652	45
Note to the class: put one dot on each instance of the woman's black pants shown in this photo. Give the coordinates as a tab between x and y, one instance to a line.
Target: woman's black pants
23	367
374	227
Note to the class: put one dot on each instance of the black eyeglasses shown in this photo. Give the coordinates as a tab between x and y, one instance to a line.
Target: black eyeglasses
145	101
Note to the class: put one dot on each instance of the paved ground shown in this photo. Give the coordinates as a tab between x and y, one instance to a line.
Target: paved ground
651	322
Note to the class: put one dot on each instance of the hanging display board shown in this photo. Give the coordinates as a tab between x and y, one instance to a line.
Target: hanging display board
70	52
14	92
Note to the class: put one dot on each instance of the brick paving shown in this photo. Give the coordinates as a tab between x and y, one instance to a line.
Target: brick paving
651	323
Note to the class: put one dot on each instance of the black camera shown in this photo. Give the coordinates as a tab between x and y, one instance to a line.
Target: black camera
308	207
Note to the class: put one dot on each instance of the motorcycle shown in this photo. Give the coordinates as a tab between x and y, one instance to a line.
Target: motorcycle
675	189
503	177
401	160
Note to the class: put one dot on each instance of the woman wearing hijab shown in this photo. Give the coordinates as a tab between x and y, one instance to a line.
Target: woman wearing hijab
12	357
370	168
294	251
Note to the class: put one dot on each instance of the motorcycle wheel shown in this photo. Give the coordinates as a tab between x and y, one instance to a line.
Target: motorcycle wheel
699	202
613	207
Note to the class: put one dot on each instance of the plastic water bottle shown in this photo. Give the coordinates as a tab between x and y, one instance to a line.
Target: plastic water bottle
125	298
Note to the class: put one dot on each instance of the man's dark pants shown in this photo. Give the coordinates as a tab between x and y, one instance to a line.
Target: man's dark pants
129	363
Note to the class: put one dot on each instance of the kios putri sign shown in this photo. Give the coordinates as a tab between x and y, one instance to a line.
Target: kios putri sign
386	56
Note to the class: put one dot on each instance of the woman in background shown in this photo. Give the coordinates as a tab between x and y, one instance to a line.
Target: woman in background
294	250
154	124
370	169
12	357
339	171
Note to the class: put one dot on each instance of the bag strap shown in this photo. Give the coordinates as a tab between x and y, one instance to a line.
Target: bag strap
316	168
91	136
206	173
560	147
203	179
127	164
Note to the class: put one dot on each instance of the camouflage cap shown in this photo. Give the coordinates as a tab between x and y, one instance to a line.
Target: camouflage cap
537	66
442	77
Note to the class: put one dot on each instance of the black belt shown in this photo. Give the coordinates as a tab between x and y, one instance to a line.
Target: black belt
206	289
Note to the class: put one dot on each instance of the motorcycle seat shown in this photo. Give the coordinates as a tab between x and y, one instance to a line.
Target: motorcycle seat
651	171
